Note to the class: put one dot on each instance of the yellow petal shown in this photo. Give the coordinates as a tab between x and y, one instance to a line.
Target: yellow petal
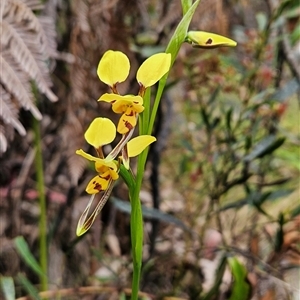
127	122
113	67
153	69
202	39
103	165
109	168
138	144
96	185
88	156
101	131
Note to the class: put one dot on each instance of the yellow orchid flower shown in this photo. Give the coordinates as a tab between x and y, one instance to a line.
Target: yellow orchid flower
129	105
121	103
107	172
202	39
113	68
153	69
107	168
103	182
135	147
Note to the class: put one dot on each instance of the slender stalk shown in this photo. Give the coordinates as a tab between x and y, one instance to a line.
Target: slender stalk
136	225
146	113
161	86
42	203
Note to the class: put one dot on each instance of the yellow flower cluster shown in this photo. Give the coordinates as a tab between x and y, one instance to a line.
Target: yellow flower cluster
113	69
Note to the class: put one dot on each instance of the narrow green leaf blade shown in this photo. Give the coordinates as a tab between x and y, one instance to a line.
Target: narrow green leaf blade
296	211
289	89
186	4
264	147
8	288
31	290
150	213
26	255
241	288
128	178
180	32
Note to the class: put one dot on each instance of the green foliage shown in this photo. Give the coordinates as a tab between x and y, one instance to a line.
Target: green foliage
24	251
30	289
150	213
8	288
241	288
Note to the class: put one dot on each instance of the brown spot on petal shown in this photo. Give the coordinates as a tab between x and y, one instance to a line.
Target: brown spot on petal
97	186
106	177
209	42
128	125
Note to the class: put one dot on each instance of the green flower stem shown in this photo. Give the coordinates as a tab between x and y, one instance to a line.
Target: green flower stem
161	86
42	203
146	113
136	225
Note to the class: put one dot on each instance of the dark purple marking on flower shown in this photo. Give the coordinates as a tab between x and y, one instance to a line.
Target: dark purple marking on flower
127	124
97	186
105	177
132	113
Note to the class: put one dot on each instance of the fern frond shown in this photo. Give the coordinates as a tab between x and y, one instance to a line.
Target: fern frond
19	12
26	45
9	113
20	51
14	85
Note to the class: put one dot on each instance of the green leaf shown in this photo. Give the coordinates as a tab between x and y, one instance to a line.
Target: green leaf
264	147
214	95
31	290
295	36
150	213
180	33
8	288
26	255
228	119
289	89
127	176
186	4
205	118
241	288
283	6
296	211
262	21
122	296
257	199
293	11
